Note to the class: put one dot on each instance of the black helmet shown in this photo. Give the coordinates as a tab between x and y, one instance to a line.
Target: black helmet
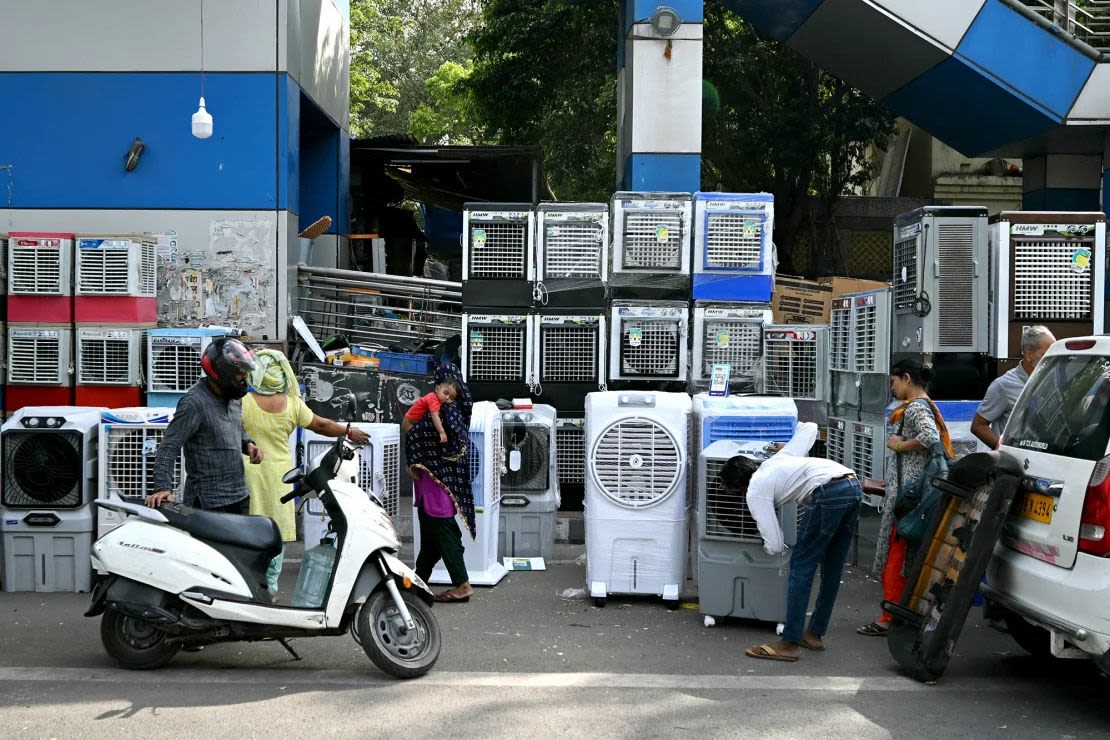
223	359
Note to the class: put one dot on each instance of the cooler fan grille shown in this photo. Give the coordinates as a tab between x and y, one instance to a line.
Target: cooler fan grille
573	249
905	262
104	361
637	462
496	353
650	348
790	368
497	250
36	270
533	441
570	450
569	354
652	240
734	241
174	368
130	454
726	513
737	343
42	469
104	270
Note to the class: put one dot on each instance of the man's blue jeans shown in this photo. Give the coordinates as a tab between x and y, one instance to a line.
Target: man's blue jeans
827	528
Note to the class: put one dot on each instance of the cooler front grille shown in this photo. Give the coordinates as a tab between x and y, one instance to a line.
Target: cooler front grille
36	270
840	339
34	360
43	469
570	452
637	462
726	513
174	368
105	362
569	354
867	339
956	285
130	462
498	354
737	343
573	249
498	250
650	347
652	240
905	260
790	368
104	270
734	241
1046	288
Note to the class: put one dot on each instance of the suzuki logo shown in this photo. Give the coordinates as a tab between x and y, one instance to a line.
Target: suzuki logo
1027	463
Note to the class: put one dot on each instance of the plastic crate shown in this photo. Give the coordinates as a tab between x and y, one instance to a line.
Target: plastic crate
405	362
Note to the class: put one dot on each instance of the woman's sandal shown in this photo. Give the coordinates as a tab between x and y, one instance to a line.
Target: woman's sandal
872	630
446	597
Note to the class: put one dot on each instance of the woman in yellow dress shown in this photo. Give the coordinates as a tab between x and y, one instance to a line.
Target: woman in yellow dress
271	412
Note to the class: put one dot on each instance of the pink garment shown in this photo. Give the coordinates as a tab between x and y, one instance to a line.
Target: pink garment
430	497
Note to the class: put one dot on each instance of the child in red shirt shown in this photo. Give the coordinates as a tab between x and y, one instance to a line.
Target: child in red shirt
445	392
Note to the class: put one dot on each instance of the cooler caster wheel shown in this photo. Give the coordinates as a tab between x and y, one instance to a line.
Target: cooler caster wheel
599	602
709	621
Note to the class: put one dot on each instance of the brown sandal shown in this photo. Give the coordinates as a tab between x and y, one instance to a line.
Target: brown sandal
766	652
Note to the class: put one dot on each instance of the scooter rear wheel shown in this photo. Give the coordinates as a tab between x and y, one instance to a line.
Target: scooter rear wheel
135	644
399	653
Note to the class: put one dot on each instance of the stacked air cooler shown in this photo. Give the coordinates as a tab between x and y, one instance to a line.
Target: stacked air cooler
530	485
173	362
129	439
47	523
796	365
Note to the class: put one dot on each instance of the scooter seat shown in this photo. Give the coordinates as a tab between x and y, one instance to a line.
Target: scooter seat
257	533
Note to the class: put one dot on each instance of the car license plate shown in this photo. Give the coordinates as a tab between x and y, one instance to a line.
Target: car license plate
1037	507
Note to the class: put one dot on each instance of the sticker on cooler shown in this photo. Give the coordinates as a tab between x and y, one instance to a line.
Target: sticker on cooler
478	237
722	339
1081	260
476	341
635	336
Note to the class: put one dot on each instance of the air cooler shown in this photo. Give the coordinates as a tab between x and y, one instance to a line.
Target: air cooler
39	367
497	354
570	357
570	450
796	365
486	460
736	577
636	464
129	439
116	279
734	257
108	366
1045	268
173	362
40	276
572	254
530	486
729	334
647	342
859	353
379	473
49	480
651	246
497	253
742	418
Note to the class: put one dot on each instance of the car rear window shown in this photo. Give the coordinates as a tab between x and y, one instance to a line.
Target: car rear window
1064	409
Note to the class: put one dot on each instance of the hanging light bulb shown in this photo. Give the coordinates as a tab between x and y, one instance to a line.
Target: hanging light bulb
202	122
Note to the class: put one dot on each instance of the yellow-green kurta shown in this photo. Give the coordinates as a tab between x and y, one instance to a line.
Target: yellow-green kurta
271	433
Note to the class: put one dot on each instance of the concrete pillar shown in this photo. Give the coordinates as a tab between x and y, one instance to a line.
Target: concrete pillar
1062	182
659	90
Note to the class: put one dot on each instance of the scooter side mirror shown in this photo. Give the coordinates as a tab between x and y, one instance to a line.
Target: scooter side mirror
293	476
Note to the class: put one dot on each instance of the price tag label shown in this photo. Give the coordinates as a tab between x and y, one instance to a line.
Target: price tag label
718	379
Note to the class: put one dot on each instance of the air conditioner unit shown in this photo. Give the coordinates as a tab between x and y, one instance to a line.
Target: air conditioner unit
1045	268
736	577
485	458
530	485
129	439
636	466
648	340
498	267
116	279
497	359
570	355
940	280
379	472
728	334
40	278
572	253
46	518
796	361
173	362
39	367
651	246
734	257
570	450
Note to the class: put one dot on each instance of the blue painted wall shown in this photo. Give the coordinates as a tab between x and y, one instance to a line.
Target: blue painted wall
675	173
775	18
319	168
289	143
67	135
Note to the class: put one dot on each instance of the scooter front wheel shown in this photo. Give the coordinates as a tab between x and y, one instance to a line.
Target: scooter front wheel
399	652
134	643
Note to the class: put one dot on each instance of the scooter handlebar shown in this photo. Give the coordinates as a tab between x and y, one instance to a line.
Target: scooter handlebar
298	491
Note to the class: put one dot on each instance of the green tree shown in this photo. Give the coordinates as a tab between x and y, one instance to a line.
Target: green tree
449	119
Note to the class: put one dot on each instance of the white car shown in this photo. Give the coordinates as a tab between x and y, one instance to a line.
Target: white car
1051	567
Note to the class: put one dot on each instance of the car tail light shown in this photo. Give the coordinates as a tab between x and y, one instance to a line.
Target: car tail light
1095	520
1079	344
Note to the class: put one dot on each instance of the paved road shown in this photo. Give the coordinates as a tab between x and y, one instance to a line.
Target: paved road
523	661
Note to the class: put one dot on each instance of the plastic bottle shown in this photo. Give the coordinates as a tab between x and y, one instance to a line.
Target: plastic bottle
312	583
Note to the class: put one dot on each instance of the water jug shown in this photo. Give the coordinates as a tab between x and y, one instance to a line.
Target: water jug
312	584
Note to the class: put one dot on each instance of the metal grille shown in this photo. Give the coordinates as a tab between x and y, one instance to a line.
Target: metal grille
734	241
174	367
905	258
790	368
636	462
570	451
43	469
34	360
652	239
104	361
533	441
104	270
1046	288
573	249
835	442
870	252
737	343
130	457
499	355
318	447
569	354
148	269
863	451
867	339
497	250
657	354
498	463
35	270
726	513
840	338
391	468
956	285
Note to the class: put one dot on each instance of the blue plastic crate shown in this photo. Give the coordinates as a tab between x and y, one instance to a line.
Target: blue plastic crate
405	362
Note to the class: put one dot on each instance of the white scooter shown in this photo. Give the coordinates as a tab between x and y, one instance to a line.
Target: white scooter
184	578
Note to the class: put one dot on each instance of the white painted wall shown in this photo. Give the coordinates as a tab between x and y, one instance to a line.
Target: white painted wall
665	94
314	47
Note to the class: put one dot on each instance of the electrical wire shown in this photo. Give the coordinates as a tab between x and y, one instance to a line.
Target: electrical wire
921	306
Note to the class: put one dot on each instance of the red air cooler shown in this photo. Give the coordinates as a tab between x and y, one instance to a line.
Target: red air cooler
116	280
39	366
108	362
40	269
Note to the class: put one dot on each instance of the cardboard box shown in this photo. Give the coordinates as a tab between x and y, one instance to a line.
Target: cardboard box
800	301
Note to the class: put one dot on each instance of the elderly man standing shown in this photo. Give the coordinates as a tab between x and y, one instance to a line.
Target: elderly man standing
990	419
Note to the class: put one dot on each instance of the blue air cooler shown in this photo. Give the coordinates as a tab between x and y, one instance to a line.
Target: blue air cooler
746	418
734	257
173	362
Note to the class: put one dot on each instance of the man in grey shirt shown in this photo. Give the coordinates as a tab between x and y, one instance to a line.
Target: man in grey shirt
208	424
992	414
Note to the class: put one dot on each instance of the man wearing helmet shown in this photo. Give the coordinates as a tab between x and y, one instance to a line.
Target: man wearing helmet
208	424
